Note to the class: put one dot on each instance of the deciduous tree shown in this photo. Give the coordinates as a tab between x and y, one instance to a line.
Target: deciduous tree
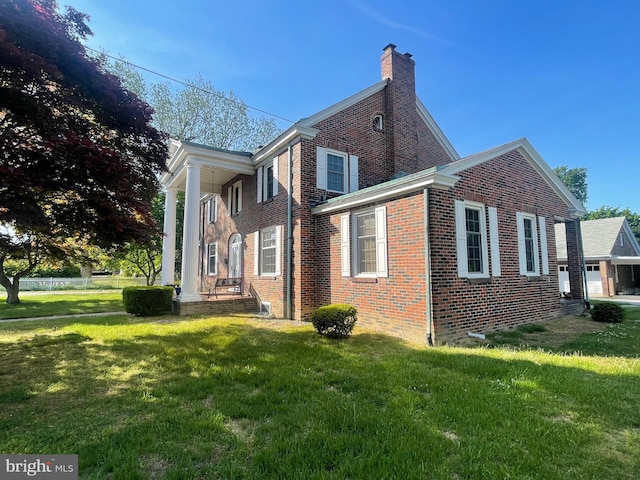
575	179
79	158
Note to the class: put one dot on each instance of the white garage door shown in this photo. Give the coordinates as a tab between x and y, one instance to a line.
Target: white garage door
594	281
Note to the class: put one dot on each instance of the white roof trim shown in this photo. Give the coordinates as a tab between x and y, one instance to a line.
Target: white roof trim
347	102
385	191
620	260
282	140
632	238
435	129
535	160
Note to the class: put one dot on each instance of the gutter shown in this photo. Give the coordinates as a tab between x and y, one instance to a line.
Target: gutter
289	286
427	254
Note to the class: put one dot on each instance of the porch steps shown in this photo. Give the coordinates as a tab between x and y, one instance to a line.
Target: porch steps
234	304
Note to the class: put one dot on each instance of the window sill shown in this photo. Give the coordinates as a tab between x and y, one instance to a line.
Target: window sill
364	279
478	280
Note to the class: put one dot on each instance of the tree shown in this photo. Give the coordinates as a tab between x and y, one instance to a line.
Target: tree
198	112
612	212
576	181
79	158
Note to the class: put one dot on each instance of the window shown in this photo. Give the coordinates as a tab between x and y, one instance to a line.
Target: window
234	198
212	207
532	244
621	240
212	259
472	240
336	171
377	122
268	251
369	243
267	181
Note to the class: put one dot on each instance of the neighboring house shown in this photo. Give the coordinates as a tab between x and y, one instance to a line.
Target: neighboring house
611	257
368	203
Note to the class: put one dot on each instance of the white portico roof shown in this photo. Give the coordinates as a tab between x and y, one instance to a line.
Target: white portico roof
218	166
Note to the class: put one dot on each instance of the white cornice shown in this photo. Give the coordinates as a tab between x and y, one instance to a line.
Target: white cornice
284	139
347	102
530	154
388	190
435	129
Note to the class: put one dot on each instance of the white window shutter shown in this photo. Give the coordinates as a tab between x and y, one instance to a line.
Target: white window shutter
461	239
494	241
275	176
216	200
240	196
353	173
256	253
345	257
522	249
259	184
381	242
229	197
544	250
321	168
279	250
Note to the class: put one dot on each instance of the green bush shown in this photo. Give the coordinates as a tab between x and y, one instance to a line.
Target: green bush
335	321
145	301
608	313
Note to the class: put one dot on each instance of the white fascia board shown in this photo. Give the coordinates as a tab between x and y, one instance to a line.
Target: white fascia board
347	102
287	137
387	191
576	209
620	260
631	236
426	117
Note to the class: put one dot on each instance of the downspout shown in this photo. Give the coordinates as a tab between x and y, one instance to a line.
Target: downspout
427	256
584	265
288	312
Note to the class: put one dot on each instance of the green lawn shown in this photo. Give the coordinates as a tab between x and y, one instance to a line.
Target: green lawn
36	304
176	398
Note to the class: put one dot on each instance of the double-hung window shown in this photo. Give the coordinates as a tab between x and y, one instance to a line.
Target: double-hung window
268	251
367	239
336	171
212	259
267	181
532	244
234	198
474	241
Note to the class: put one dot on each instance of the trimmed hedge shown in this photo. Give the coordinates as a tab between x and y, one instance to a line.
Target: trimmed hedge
145	301
335	321
608	313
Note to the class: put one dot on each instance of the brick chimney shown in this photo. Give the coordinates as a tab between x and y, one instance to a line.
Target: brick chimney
402	116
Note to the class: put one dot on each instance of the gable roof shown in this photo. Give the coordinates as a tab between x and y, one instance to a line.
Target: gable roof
598	237
530	154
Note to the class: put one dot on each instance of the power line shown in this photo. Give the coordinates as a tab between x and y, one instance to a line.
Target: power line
189	85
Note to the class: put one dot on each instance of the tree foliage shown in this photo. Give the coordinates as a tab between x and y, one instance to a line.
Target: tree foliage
79	158
199	113
575	179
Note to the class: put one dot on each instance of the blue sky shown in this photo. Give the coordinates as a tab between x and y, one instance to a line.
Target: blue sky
564	73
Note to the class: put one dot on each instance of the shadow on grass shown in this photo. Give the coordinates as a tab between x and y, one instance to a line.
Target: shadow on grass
225	399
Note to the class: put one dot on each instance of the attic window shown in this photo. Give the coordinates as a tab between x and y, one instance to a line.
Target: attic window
377	122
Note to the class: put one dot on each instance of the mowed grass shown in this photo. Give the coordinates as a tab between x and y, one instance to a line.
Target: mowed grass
242	398
37	304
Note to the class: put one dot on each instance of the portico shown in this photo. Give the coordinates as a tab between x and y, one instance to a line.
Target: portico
200	171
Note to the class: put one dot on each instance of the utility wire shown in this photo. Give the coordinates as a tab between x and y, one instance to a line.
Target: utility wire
189	85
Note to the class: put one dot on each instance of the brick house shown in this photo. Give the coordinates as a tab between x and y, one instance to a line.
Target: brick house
611	257
368	203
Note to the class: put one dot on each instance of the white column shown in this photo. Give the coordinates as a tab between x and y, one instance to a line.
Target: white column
190	254
169	238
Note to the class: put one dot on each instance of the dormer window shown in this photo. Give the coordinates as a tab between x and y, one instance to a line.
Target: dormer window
377	122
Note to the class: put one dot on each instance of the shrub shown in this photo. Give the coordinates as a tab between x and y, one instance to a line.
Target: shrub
608	313
145	301
335	321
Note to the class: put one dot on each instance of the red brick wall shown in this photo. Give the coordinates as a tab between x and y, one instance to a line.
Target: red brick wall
460	306
395	305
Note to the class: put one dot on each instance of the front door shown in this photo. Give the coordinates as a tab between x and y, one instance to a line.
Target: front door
235	256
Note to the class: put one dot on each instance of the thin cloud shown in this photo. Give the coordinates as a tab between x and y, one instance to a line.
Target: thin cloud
388	22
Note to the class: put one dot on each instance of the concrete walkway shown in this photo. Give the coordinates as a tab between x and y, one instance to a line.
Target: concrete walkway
55	317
